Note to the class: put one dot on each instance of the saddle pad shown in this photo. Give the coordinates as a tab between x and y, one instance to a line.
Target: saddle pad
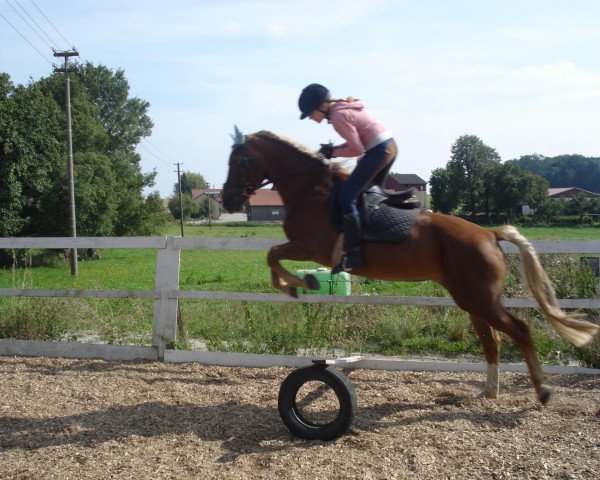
386	224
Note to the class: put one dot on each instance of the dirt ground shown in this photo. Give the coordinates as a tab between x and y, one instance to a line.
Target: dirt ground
74	419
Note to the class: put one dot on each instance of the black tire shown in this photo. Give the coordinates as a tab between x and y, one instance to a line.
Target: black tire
297	422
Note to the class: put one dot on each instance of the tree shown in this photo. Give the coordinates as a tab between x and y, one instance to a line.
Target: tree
190	181
534	189
107	125
470	161
124	118
185	185
30	160
109	182
190	208
444	198
475	181
579	205
550	209
507	189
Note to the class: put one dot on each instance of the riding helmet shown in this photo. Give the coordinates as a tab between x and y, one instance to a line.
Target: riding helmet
311	98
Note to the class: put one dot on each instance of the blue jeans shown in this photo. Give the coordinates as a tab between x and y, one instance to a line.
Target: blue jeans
372	168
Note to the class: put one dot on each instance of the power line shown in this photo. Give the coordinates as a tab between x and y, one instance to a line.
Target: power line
144	158
25	38
156	156
158	150
48	20
37	24
28	24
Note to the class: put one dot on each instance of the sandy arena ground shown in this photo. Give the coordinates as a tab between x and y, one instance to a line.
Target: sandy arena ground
75	419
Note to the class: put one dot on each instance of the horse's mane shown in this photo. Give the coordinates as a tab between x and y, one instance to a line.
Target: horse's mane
338	172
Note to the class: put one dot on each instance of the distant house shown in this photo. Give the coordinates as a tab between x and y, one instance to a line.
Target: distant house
561	193
569	192
210	195
265	206
404	181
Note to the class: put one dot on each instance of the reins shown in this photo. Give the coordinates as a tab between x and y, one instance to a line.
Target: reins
248	163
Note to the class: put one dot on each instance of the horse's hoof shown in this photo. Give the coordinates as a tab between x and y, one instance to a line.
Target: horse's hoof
543	396
492	395
311	282
293	292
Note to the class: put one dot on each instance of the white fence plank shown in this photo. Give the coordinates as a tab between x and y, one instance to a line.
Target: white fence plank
226	243
70	293
32	348
366	299
557	246
84	242
229	359
165	307
167	295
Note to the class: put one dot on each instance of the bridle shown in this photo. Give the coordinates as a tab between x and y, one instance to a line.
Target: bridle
247	165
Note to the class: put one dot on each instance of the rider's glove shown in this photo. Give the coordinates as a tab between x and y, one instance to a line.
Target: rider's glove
326	150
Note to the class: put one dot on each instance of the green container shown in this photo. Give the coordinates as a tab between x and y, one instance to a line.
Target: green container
329	284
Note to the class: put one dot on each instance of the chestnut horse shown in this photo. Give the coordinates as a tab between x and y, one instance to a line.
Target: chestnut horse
461	256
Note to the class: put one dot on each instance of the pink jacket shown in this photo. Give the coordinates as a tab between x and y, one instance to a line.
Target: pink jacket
359	128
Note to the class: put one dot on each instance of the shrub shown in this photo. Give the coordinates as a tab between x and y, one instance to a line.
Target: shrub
27	318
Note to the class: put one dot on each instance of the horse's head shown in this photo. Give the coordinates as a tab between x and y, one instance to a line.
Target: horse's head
264	157
244	177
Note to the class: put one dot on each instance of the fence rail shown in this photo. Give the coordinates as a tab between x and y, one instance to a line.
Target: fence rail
166	293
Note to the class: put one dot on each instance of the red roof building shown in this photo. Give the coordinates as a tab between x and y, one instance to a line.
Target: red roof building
265	206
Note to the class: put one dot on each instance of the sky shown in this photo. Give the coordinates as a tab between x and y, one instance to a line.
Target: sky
522	75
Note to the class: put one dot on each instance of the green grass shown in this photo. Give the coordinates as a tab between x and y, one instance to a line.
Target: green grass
235	229
263	327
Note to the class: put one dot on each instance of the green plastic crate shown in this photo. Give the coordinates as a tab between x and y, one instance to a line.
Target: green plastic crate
329	284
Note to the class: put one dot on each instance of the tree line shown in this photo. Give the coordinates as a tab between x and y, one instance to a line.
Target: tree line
107	125
564	170
476	183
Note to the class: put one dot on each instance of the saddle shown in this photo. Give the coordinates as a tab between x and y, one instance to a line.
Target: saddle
385	217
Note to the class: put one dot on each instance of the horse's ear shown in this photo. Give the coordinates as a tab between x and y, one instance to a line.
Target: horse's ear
238	137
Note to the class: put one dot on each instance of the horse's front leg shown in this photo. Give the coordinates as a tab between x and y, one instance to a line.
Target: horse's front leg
284	280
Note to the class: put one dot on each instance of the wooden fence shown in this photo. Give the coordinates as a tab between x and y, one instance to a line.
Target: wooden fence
166	295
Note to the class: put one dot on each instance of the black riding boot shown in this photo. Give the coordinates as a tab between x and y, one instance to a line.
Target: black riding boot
352	257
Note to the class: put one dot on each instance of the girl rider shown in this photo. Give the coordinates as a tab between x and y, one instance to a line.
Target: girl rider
364	135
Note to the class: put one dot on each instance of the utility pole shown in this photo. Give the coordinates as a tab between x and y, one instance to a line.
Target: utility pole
180	198
72	220
209	212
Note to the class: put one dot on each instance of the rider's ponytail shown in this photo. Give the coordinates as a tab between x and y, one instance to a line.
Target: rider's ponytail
347	100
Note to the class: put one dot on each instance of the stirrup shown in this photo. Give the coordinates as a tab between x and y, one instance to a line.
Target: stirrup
339	268
348	263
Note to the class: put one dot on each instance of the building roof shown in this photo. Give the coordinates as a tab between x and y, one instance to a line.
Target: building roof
265	198
408	179
569	191
198	192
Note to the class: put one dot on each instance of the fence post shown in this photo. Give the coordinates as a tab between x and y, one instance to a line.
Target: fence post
165	308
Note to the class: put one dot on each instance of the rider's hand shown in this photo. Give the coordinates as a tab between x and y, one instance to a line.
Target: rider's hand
326	150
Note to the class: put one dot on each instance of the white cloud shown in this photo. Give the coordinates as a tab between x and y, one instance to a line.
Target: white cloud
278	30
232	27
555	82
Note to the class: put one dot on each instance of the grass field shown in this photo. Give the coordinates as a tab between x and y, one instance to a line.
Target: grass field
264	327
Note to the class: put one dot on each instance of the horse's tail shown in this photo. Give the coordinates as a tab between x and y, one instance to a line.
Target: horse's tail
569	326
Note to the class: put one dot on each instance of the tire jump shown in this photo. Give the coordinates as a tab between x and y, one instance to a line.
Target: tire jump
318	402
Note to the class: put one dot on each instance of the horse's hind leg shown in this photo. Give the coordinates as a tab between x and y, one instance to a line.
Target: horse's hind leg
490	341
501	319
